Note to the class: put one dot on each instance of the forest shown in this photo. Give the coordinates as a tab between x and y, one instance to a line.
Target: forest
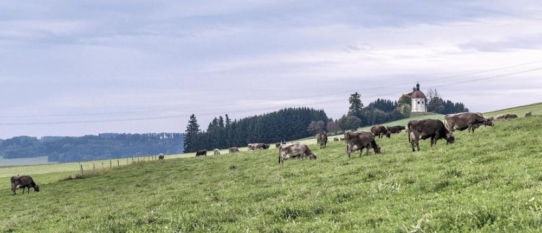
92	147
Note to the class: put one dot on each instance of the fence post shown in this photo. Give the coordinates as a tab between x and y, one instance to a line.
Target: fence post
110	164
94	168
81	166
102	165
118	163
126	161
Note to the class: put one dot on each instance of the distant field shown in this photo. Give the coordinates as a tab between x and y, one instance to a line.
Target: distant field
25	161
489	181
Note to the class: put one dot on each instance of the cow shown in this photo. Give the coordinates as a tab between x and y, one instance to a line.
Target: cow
257	146
277	145
342	139
428	128
298	150
335	139
395	129
23	182
161	156
528	114
359	141
201	153
321	139
466	120
380	131
503	117
216	152
233	150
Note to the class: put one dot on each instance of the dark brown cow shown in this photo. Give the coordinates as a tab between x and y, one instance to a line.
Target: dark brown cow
201	153
380	131
528	114
395	129
466	120
23	182
321	139
428	128
233	150
298	150
161	156
359	141
335	139
277	145
342	139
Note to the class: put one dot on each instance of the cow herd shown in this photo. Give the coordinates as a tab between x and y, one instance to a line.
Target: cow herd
416	129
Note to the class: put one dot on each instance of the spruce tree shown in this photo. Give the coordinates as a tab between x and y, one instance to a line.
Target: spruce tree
192	130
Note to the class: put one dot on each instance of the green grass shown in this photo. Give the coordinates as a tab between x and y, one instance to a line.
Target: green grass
489	181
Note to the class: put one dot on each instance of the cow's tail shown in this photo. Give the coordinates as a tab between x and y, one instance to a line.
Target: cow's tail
408	130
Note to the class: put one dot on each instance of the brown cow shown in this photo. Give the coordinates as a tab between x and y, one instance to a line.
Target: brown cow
258	146
335	139
201	153
233	150
503	117
342	139
321	139
528	114
18	182
379	131
359	141
428	128
298	150
466	120
161	156
395	129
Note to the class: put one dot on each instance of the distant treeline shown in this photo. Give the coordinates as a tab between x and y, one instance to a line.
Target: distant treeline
92	147
285	124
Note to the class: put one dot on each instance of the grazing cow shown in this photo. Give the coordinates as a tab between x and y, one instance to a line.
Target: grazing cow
201	153
258	146
503	117
23	182
321	139
298	150
233	150
466	120
342	139
216	152
428	128
528	114
379	131
277	145
395	129
335	139
161	156
359	141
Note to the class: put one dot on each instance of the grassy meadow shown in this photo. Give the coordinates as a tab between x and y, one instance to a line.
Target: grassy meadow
490	181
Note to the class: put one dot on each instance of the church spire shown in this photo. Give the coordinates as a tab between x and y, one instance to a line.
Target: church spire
417	86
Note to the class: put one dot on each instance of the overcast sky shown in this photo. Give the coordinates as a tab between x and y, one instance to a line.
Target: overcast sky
73	68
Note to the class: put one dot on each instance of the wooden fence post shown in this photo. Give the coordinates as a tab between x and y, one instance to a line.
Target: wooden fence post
81	166
94	168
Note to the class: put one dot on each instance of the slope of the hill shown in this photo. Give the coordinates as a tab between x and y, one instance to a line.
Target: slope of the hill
535	108
488	181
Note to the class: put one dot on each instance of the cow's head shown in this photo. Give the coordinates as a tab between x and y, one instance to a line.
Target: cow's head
36	188
488	122
312	156
377	150
450	139
388	134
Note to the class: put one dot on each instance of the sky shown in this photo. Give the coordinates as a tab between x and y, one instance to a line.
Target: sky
74	68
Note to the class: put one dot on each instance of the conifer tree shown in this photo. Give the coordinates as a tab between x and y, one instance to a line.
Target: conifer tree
192	130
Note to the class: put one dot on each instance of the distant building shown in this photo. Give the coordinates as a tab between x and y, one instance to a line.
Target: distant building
418	100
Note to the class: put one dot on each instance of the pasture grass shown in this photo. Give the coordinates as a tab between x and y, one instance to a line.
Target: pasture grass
489	181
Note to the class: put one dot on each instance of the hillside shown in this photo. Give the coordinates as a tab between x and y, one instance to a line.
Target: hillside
535	108
489	181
